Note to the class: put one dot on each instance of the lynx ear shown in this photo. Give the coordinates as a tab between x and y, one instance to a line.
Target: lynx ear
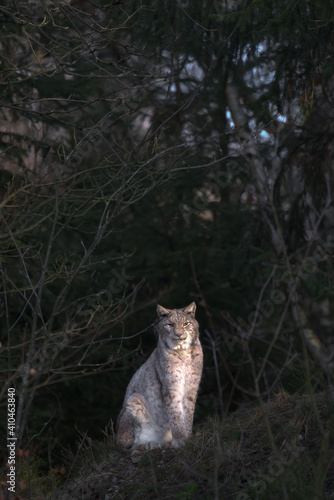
162	312
191	309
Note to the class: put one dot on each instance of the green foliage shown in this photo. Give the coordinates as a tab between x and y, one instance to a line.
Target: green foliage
31	476
188	493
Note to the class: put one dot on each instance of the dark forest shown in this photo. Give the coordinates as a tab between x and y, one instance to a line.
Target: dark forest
165	153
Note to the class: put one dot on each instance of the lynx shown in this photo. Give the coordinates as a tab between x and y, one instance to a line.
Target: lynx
159	403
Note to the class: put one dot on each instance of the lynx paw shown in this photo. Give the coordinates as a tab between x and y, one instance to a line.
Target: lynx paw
152	445
177	443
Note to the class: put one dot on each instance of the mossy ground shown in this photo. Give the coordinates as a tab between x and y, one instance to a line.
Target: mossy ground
282	449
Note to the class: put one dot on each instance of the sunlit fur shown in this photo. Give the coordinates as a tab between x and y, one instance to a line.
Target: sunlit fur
159	402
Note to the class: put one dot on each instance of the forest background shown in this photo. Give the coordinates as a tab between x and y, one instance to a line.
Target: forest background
162	152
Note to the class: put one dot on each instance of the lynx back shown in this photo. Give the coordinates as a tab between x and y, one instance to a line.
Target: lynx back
159	403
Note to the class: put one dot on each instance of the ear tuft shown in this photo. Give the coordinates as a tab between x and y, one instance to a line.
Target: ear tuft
162	312
191	309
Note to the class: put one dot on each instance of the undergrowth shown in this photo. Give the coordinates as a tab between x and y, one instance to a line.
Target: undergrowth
232	459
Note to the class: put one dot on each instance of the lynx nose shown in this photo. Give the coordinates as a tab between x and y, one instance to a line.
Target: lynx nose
179	333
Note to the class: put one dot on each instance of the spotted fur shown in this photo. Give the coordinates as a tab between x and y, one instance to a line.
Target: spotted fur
159	403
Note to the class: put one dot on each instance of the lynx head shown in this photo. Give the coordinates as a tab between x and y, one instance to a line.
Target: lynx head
177	328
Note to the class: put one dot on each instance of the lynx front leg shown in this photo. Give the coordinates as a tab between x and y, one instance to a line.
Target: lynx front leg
175	411
189	408
180	405
191	385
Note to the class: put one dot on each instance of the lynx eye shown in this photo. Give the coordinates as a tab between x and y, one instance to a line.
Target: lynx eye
170	325
186	323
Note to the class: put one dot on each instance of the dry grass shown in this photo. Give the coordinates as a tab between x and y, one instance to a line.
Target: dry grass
235	459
